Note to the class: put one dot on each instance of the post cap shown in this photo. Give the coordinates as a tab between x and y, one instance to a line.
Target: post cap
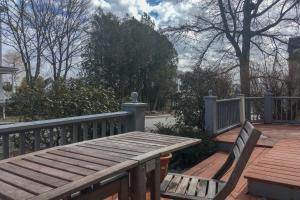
134	97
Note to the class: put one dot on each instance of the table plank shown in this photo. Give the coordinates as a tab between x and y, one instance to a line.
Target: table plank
10	192
121	145
84	164
83	158
33	175
111	149
59	165
23	183
47	170
84	182
93	153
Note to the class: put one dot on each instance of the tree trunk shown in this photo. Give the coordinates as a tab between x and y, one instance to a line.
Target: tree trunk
245	76
245	56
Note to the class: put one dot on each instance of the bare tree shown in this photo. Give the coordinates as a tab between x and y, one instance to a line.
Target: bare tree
26	22
237	32
65	35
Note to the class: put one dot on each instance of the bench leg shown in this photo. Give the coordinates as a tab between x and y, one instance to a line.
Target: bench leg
138	177
155	181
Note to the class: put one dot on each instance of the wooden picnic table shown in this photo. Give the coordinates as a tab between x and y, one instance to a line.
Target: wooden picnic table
61	171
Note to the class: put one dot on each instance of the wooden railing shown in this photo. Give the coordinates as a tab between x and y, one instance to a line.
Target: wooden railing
254	109
228	113
20	138
286	109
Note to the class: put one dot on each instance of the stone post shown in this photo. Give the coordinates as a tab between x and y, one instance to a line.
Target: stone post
210	113
136	122
268	108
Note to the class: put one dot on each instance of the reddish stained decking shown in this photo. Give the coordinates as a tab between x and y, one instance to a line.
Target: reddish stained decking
272	133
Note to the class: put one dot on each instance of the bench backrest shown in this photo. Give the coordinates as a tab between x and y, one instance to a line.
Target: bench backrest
241	152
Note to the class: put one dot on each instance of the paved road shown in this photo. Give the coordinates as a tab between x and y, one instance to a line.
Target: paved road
150	121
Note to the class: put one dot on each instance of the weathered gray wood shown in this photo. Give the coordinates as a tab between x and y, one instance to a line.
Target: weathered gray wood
210	114
95	129
37	140
22	142
24	184
79	163
193	187
61	166
164	185
85	128
33	175
155	181
139	182
63	134
103	128
51	135
182	187
10	192
202	188
111	127
12	128
47	170
75	133
5	145
119	126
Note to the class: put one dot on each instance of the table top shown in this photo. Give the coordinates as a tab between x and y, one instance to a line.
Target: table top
60	171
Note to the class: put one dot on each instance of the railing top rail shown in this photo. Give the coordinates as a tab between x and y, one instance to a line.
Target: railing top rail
254	98
228	100
285	97
23	126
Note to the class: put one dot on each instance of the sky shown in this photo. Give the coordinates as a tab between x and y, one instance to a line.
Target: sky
163	13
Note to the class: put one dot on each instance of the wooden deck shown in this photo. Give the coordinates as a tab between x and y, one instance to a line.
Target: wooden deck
271	134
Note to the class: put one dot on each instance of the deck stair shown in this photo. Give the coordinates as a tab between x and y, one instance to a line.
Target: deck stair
276	174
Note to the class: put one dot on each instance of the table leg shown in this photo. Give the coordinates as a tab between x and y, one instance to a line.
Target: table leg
138	177
155	181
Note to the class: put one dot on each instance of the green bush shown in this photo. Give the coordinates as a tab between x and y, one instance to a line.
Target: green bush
189	109
48	99
187	158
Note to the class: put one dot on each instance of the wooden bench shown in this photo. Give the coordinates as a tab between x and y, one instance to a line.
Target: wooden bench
177	186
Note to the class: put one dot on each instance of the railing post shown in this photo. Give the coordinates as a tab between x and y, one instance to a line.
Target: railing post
268	108
210	113
136	122
242	109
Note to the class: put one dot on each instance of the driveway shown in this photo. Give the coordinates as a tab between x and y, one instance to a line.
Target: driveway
165	119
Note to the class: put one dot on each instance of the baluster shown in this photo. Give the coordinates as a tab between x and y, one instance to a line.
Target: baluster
291	105
119	126
103	128
95	130
37	140
281	111
63	136
125	121
5	145
22	142
51	135
85	131
111	127
75	133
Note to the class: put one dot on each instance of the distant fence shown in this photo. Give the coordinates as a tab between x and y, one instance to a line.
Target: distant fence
20	138
224	114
